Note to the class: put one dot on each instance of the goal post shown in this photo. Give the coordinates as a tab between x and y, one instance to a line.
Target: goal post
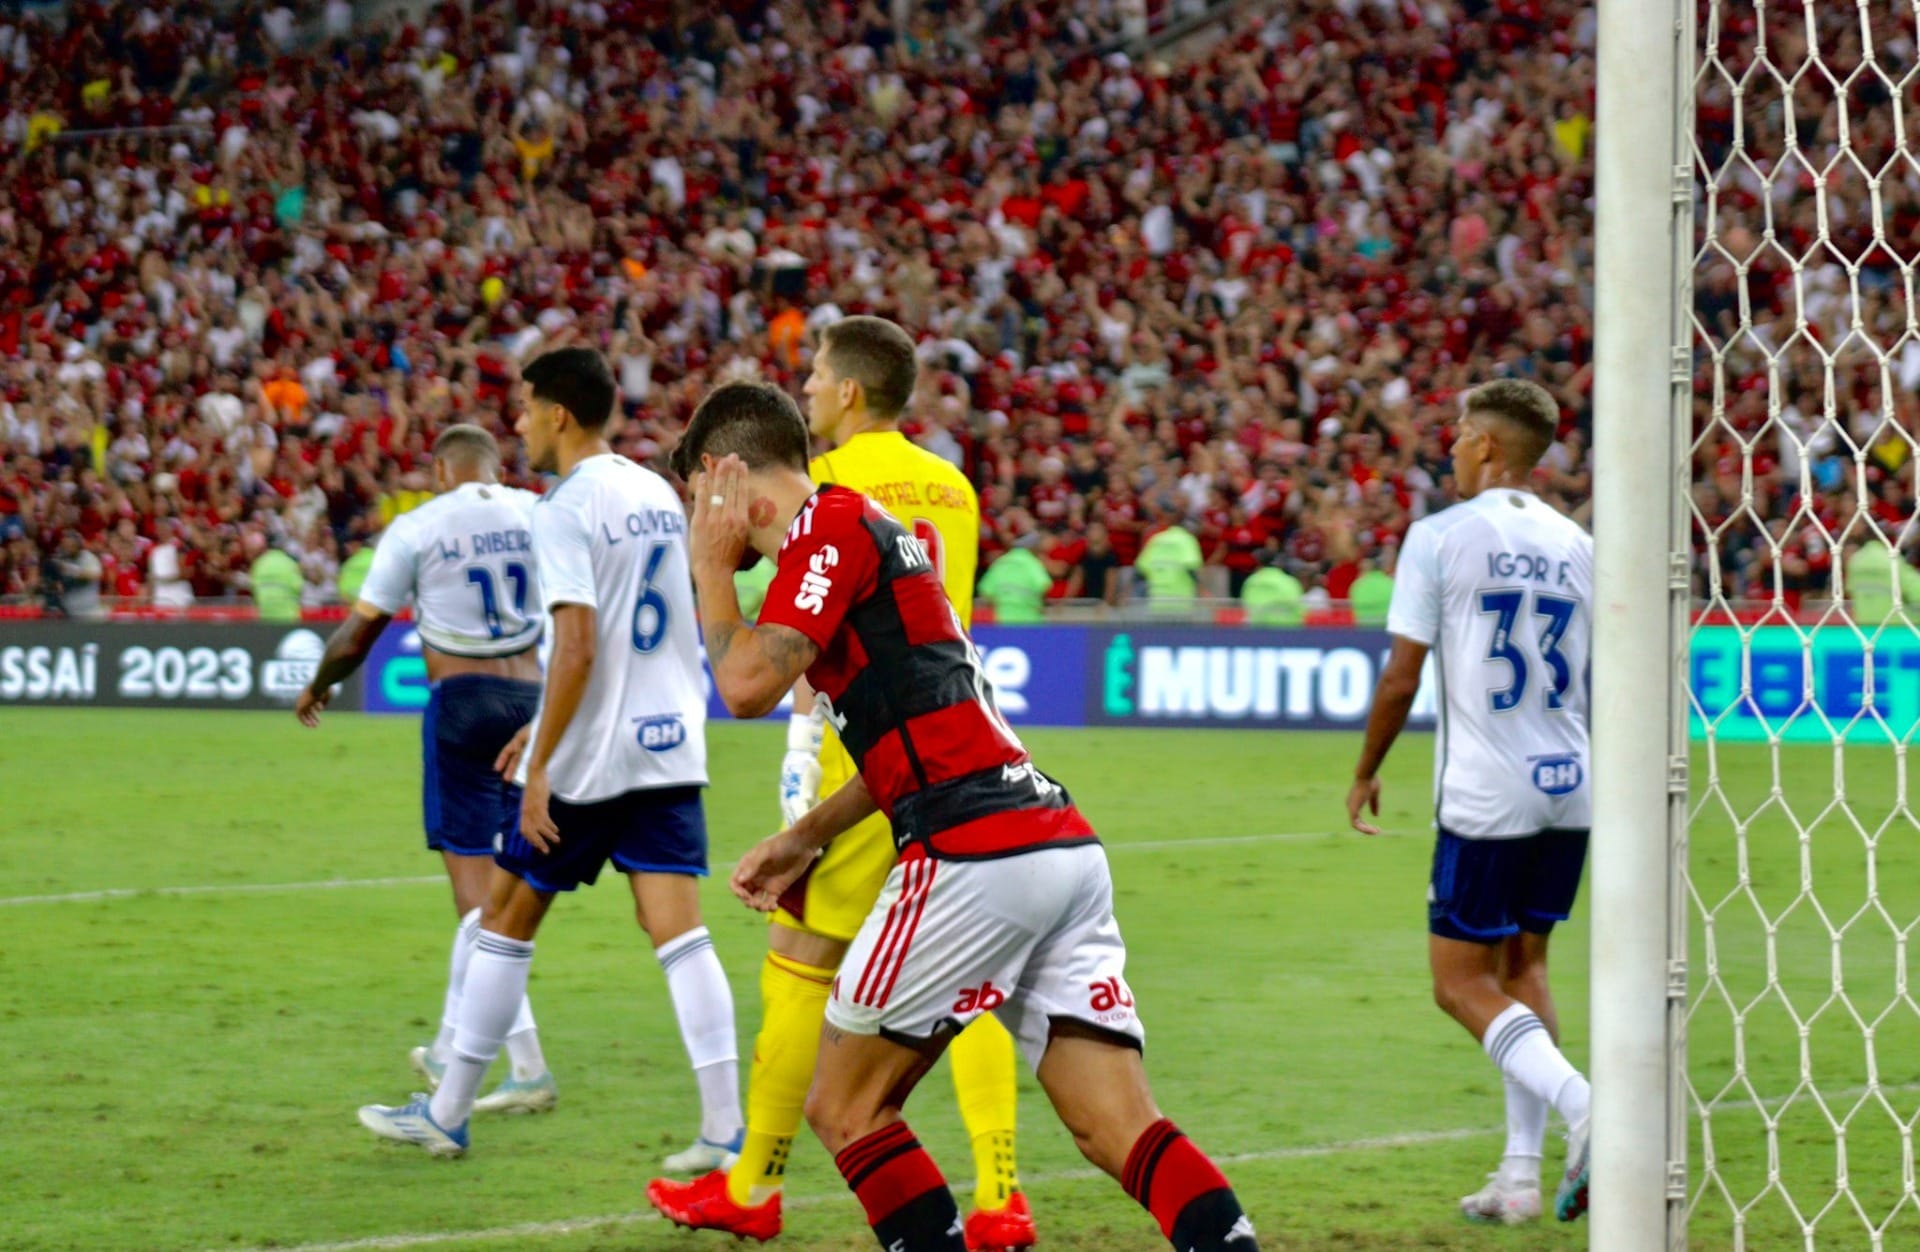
1641	396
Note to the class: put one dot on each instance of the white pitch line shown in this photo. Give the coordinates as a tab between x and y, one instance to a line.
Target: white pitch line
575	1225
337	884
1377	1143
209	889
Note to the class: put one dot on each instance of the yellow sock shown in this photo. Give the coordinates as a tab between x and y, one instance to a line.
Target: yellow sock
983	1079
793	1000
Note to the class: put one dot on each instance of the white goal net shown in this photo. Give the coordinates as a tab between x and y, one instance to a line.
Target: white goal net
1801	1046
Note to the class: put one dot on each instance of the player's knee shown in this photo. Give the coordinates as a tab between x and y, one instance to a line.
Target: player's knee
1105	1146
1451	993
838	1122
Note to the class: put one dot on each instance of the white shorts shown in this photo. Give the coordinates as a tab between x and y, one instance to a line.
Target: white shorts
1028	938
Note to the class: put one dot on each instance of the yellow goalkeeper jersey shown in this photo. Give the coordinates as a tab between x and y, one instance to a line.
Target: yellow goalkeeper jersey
929	496
935	501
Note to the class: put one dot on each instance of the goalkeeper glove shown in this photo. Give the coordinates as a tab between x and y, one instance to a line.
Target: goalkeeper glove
800	768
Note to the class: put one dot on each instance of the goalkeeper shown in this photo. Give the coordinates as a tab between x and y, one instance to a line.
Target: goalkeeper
863	377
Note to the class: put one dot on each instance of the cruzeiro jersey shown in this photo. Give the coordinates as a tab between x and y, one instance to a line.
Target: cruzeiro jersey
1501	587
612	536
465	561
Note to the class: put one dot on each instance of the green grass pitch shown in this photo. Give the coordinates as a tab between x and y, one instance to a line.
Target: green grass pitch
182	1067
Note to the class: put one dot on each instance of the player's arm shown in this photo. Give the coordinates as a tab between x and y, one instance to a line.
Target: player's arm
389	585
753	666
562	552
575	630
776	862
1413	619
347	649
1393	698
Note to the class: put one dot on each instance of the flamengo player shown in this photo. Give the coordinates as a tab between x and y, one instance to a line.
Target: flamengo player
1499	587
464	561
612	765
1000	901
863	377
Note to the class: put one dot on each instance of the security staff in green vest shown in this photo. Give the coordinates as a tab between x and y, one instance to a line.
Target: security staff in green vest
1371	593
276	581
1872	572
1170	562
1016	584
1272	597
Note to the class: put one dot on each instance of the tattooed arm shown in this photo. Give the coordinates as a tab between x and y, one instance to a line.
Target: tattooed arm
753	666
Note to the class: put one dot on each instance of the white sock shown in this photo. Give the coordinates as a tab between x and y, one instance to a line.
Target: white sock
523	1044
1526	1133
496	987
442	1050
703	1002
1519	1044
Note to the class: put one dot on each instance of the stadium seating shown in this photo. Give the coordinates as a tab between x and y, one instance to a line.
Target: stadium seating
1238	289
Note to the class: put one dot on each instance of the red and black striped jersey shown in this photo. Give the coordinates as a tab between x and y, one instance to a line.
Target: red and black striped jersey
904	687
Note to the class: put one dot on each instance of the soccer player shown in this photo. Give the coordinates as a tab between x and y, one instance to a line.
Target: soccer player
1499	587
862	378
1000	899
464	561
611	767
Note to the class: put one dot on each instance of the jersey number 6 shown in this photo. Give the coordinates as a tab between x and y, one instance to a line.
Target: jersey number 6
650	607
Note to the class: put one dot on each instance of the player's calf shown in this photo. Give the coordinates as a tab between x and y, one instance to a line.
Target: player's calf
1099	1087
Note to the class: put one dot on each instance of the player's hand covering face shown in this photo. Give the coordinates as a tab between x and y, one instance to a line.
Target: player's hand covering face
769	868
719	527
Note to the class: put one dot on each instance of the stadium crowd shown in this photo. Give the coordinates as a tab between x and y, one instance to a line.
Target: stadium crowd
1237	292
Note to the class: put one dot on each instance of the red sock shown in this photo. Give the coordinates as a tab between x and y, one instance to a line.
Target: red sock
1185	1192
907	1201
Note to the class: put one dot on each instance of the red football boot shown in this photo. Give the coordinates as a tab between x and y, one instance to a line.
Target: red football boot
703	1204
1004	1229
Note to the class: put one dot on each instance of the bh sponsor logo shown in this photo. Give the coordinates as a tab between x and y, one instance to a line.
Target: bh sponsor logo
1555	775
662	733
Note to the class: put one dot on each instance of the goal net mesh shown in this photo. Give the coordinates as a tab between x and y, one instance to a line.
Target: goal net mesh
1802	857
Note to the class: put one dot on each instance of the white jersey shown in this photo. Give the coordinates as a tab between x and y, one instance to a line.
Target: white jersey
612	536
465	561
1501	588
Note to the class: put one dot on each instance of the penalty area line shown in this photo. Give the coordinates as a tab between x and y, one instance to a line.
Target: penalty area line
424	880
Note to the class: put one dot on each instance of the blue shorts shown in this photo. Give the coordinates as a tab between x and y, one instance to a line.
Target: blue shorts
661	830
1486	889
469	718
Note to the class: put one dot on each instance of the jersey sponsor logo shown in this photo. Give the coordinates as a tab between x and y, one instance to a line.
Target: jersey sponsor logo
982	999
1556	775
661	733
814	584
1109	995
